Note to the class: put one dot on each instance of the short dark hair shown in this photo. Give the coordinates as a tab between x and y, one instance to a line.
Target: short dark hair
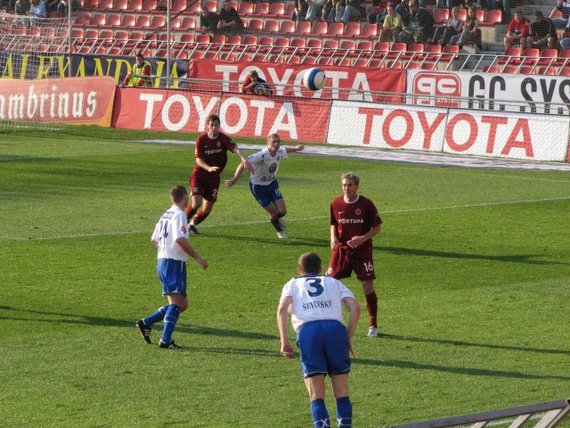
538	13
177	193
309	263
213	118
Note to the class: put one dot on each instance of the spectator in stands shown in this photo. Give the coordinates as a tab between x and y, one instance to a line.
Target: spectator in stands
349	12
403	9
377	12
315	8
331	9
564	7
21	7
37	11
454	26
420	28
470	32
60	6
255	85
542	33
208	20
565	42
140	73
300	10
230	22
517	31
391	26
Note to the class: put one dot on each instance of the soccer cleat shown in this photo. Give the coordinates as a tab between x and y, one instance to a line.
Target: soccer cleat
373	332
145	331
192	229
282	235
169	345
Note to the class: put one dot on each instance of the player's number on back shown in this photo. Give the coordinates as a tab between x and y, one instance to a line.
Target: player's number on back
314	286
164	228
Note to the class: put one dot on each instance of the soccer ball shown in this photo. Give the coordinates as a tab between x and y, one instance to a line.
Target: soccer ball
314	79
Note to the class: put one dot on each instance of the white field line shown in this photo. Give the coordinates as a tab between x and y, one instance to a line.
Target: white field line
289	220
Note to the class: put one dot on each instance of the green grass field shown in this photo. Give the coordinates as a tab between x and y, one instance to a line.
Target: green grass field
473	267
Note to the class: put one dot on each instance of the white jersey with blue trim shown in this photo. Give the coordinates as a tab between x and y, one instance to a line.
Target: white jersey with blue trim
315	297
266	166
171	226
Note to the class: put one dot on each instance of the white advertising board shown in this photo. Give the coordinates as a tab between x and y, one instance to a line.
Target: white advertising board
493	134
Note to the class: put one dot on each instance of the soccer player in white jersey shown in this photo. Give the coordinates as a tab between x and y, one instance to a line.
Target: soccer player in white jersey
170	237
315	302
263	181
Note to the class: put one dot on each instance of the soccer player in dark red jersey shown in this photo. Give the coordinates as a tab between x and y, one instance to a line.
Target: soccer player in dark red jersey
354	221
211	158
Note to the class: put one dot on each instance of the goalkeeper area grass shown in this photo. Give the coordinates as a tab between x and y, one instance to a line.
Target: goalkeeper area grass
473	274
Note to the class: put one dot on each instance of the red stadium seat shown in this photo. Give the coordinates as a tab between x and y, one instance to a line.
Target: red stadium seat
134	6
188	23
148	6
261	9
462	14
352	29
245	8
84	19
303	28
320	28
492	17
113	21
97	20
255	26
336	29
287	28
548	57
530	56
158	21
440	16
178	6
105	5
143	22
276	10
511	56
271	26
212	5
510	69
119	5
128	21
369	31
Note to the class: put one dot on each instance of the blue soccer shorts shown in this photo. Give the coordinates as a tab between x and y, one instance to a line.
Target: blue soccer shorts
265	195
324	348
172	275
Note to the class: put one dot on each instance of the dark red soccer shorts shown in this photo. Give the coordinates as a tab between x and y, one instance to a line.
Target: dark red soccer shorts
344	261
205	185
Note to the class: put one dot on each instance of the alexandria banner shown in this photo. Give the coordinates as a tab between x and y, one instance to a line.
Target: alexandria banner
15	65
242	115
71	101
345	83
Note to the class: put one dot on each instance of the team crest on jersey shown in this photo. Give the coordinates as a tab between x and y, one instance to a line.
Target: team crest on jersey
218	144
272	168
357	211
183	229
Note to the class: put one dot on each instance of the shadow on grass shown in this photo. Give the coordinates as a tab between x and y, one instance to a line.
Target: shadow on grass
272	239
519	258
478	345
66	318
402	364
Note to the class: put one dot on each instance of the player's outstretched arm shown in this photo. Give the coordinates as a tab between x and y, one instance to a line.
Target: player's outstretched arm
282	316
246	163
354	315
297	148
229	183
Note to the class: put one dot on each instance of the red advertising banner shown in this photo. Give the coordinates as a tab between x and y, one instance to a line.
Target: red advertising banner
243	115
343	83
87	100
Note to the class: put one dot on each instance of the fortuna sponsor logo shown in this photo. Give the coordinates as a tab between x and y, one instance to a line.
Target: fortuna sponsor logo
211	152
317	304
351	220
